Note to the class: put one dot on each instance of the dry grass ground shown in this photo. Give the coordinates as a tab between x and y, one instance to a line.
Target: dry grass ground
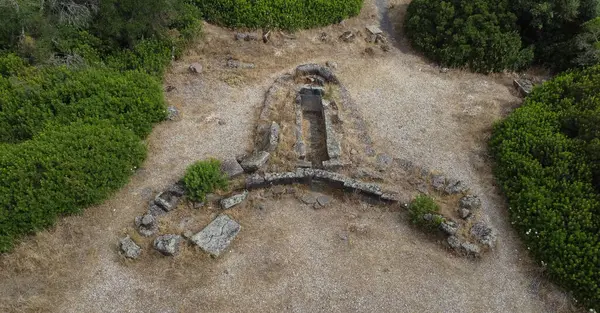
349	257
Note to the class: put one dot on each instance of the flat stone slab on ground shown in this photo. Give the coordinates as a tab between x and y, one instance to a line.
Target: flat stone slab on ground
167	244
374	29
234	200
217	236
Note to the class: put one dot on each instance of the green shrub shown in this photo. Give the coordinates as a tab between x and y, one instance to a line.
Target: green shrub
547	155
59	95
60	171
290	14
478	34
422	205
149	56
204	177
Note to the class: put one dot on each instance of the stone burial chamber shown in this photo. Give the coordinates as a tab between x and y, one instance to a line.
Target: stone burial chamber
316	140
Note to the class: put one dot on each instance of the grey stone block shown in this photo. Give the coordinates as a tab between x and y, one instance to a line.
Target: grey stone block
129	248
284	178
255	181
255	161
272	139
470	202
232	168
455	187
232	201
167	244
316	69
366	188
167	200
217	236
155	210
438	182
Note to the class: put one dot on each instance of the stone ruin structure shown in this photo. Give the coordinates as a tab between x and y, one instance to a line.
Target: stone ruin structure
309	132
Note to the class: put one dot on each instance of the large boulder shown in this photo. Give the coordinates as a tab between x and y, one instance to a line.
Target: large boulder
217	236
484	234
168	244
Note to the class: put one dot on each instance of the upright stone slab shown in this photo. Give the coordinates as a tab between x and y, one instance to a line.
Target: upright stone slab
217	236
272	139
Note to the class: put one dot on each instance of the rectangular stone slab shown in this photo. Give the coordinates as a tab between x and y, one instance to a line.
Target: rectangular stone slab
217	236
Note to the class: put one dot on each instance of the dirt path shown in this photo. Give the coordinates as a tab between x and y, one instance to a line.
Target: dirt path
289	257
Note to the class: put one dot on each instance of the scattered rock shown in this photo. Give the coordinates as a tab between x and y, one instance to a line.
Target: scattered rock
303	164
217	236
332	65
524	86
353	152
308	198
195	68
470	202
454	242
380	39
324	200
170	88
358	228
255	161
155	210
246	36
167	244
324	37
233	63
438	182
484	234
146	225
456	187
370	51
464	213
197	205
348	36
129	248
449	227
221	122
234	200
187	234
316	69
272	137
386	48
444	70
374	29
232	168
167	200
172	113
178	189
255	181
384	161
471	249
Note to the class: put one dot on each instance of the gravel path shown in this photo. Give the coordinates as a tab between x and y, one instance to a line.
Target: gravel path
289	257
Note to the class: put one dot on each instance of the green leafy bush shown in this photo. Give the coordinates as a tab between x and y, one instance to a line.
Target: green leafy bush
480	35
59	95
204	177
62	170
552	27
547	155
291	14
422	205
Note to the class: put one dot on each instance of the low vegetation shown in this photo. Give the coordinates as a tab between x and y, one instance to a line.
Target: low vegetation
480	35
290	14
80	87
419	207
548	164
493	36
204	177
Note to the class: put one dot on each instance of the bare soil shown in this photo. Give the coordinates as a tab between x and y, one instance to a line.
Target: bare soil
347	257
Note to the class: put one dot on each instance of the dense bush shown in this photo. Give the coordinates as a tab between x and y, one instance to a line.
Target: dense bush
56	94
547	155
552	27
420	206
479	34
291	14
204	177
62	170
